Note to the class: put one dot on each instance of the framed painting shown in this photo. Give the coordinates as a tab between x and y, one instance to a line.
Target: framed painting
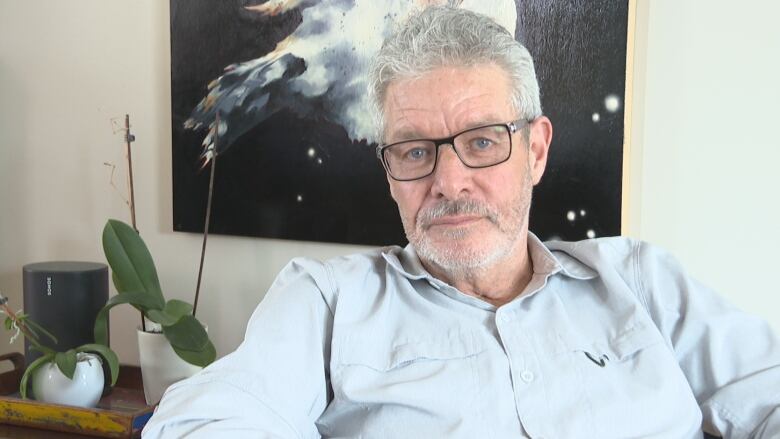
296	147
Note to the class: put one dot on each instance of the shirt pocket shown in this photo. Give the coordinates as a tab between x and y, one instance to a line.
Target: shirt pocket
634	386
421	387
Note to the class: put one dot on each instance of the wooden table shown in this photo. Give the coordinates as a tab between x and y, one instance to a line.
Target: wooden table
129	378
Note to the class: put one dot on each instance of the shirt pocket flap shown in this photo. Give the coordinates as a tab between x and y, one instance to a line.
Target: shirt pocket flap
631	341
386	356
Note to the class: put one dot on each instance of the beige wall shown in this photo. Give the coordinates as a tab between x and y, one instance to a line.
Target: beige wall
707	142
703	164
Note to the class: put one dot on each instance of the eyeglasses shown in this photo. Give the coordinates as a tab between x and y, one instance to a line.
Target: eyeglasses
479	147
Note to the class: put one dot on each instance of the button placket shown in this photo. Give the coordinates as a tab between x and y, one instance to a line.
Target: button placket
524	369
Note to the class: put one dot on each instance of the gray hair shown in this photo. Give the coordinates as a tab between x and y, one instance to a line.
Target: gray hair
443	36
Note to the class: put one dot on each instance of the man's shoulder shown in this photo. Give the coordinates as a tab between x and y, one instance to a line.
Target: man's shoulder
597	249
370	259
627	255
353	265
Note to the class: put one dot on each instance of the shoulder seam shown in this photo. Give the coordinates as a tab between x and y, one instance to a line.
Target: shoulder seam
640	287
333	285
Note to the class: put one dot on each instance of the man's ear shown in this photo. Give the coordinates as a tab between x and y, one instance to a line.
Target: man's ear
539	139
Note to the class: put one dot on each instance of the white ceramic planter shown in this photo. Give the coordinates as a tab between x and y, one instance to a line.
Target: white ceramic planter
84	390
160	366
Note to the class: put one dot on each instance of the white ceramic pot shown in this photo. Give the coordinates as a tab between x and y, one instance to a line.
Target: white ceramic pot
160	366
84	390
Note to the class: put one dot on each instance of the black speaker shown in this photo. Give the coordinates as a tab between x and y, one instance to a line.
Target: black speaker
64	297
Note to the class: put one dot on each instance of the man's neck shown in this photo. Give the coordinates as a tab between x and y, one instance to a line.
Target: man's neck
497	284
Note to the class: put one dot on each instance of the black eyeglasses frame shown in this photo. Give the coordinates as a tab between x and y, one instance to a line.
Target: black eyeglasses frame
511	127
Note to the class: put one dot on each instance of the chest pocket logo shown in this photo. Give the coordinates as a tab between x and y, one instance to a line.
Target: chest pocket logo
620	348
628	376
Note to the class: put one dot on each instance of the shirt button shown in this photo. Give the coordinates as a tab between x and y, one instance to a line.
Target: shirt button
527	376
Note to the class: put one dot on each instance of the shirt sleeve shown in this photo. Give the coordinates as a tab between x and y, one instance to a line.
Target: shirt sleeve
730	358
276	384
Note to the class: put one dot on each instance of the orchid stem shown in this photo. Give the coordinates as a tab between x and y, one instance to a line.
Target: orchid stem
129	138
208	212
19	324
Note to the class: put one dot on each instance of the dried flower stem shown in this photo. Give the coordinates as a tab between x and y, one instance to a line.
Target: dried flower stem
128	139
19	324
208	211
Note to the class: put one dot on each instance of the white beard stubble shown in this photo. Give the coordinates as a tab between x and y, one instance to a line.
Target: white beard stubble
456	257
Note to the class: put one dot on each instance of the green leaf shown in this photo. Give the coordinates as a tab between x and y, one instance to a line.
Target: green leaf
66	362
30	370
9	323
130	261
200	358
178	308
21	320
170	315
161	317
140	300
32	325
108	355
187	334
118	282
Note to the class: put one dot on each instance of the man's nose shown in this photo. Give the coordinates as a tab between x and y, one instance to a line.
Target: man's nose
451	178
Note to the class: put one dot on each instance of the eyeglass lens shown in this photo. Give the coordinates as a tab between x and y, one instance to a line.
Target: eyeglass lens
476	148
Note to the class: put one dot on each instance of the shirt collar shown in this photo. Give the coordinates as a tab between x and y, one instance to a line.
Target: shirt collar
548	262
406	262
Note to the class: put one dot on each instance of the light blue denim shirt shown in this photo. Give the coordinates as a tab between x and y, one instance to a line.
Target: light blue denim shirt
609	340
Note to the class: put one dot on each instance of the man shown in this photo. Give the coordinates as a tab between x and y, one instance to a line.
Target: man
477	329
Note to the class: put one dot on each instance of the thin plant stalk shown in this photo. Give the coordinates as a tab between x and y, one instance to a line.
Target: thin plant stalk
27	332
208	212
129	138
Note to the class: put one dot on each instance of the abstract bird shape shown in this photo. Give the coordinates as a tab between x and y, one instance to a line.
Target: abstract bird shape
319	70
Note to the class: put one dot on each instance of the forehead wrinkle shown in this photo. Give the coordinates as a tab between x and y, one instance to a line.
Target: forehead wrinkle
400	115
446	112
477	114
465	118
403	127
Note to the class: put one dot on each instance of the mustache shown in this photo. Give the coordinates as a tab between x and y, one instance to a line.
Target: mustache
455	207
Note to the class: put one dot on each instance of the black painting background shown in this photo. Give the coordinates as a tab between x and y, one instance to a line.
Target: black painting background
579	51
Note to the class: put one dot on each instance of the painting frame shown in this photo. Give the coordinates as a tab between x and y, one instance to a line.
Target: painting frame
225	188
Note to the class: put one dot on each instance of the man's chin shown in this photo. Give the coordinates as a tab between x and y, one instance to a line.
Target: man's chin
457	256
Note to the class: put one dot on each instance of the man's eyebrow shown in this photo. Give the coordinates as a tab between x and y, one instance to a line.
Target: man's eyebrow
407	134
490	119
411	134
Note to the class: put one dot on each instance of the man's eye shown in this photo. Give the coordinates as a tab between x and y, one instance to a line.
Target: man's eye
481	143
415	154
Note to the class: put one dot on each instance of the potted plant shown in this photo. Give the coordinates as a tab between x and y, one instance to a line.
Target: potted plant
73	377
135	278
174	344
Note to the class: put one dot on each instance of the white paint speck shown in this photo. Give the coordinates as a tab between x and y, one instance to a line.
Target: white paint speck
582	212
312	152
299	198
571	216
596	117
612	103
590	234
319	161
